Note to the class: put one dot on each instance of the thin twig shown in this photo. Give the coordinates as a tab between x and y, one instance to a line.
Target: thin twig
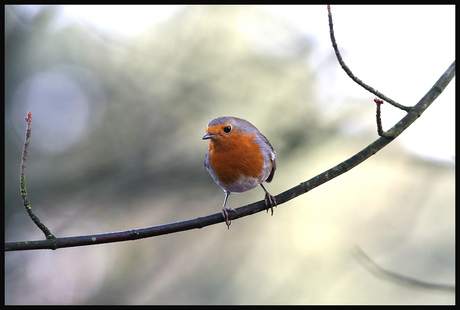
351	75
49	236
378	103
380	131
370	265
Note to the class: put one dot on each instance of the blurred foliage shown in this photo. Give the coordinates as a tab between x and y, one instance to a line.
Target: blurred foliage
140	163
166	84
162	88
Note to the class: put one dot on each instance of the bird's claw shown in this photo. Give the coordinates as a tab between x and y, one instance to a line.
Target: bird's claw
225	215
270	201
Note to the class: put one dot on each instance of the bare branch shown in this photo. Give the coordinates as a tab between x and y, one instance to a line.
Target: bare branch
351	75
413	113
380	131
49	236
256	207
370	265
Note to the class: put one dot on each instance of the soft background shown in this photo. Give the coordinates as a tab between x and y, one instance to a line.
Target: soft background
120	98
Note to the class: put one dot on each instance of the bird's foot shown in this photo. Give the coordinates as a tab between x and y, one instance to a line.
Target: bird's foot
270	201
225	215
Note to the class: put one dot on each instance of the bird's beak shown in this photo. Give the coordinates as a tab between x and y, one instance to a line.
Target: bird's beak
208	136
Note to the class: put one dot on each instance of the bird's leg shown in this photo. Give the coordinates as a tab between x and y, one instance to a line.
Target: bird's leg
225	210
269	200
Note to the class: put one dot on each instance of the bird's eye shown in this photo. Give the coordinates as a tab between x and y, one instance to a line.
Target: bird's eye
227	129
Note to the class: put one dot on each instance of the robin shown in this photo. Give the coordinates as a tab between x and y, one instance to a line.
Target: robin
239	158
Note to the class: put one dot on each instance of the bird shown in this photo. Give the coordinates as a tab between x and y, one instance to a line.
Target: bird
239	158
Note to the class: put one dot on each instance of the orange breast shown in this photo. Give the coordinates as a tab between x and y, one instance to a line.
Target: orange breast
235	156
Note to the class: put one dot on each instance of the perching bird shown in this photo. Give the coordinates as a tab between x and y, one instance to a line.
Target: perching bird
239	158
